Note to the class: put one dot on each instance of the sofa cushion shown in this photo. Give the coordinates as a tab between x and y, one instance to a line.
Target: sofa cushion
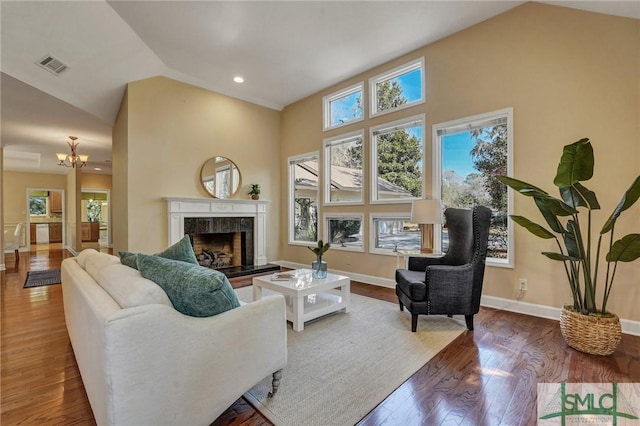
182	250
125	285
194	290
84	255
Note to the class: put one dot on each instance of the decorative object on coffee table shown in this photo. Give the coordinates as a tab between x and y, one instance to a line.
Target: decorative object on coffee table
319	267
585	326
254	192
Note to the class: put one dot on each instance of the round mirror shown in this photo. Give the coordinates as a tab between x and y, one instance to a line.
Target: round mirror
220	177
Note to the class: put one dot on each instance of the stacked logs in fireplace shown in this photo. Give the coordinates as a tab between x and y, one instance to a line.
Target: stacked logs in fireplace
215	260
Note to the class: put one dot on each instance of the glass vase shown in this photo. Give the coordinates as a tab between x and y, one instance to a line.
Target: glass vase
319	269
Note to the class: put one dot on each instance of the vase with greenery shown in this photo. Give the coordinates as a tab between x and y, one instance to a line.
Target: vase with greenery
577	249
254	192
319	267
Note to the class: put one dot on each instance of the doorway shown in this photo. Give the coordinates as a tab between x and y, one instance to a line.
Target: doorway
45	219
96	231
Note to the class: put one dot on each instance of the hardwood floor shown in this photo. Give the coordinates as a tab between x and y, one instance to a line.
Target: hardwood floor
485	377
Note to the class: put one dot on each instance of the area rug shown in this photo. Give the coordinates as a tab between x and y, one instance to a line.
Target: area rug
341	366
40	278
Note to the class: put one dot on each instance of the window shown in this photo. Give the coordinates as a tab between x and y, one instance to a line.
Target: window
303	198
397	89
37	205
391	232
397	165
469	154
343	169
344	231
343	107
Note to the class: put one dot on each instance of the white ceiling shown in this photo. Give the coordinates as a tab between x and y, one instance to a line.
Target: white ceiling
284	50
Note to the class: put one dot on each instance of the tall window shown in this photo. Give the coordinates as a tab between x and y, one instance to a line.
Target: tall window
391	232
397	89
470	154
343	107
303	198
344	231
397	164
343	169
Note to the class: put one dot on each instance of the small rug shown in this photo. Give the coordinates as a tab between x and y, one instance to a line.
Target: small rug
341	366
40	278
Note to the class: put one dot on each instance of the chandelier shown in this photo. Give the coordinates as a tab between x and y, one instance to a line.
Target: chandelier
74	158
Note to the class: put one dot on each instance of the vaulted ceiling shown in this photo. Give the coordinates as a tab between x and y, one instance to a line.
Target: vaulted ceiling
285	51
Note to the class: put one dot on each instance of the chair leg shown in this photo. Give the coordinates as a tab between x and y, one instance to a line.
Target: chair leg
17	265
401	306
414	322
469	320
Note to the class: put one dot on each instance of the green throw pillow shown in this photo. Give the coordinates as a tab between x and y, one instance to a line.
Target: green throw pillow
194	290
181	250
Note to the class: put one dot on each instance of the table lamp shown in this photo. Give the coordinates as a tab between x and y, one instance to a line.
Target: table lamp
426	213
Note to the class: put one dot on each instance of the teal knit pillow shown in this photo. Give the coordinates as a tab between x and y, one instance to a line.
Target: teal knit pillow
194	290
181	250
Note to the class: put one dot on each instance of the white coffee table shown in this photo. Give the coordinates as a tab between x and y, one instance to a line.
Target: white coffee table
307	298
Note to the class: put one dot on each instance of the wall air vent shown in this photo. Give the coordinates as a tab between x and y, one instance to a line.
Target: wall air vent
52	64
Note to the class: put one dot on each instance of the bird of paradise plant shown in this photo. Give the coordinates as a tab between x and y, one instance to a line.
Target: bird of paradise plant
574	239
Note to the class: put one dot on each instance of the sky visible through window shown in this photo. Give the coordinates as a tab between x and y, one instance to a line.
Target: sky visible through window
410	83
456	155
346	109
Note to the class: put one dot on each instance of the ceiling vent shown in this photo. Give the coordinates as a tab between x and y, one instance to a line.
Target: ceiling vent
52	64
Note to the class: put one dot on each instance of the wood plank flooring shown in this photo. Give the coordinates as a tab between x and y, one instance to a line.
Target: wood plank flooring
485	377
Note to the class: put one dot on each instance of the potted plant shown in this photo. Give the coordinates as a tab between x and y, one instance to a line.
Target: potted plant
254	192
585	325
319	267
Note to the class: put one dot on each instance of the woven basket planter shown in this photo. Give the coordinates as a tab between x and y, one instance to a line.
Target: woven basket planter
590	334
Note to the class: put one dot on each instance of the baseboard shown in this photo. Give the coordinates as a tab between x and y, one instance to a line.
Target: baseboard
542	311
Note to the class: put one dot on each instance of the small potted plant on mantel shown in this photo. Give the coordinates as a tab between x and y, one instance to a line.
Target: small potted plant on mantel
585	326
254	192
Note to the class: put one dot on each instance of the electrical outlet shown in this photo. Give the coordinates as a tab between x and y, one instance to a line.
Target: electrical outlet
523	284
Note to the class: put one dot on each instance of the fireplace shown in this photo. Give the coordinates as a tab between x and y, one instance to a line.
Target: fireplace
221	242
229	233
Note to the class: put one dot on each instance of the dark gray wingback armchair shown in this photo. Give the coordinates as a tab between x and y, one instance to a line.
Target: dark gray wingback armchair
450	284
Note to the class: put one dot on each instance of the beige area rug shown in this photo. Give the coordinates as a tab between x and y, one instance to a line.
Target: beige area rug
341	366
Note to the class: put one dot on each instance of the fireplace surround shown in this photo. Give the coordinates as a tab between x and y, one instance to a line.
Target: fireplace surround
212	215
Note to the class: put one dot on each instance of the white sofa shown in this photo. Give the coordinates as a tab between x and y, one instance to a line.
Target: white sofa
144	363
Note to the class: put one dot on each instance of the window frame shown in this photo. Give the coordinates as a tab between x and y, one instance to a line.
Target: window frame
373	217
343	93
344	216
291	163
393	73
373	144
460	125
327	144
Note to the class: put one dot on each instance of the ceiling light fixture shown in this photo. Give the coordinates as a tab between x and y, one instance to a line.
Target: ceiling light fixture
74	158
238	79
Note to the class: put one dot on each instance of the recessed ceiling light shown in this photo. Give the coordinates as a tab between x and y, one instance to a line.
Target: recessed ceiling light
97	168
238	79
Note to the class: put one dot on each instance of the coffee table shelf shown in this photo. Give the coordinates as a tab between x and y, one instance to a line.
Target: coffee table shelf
307	298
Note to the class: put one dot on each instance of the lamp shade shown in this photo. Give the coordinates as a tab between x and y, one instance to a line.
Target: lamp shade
426	211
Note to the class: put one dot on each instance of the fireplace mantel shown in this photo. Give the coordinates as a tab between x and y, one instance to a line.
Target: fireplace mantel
178	208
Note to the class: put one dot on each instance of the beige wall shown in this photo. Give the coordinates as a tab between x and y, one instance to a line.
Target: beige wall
167	130
567	74
119	162
15	185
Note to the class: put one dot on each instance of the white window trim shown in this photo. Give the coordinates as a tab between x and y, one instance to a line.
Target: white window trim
372	231
327	143
326	106
291	195
388	75
460	125
373	159
343	216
